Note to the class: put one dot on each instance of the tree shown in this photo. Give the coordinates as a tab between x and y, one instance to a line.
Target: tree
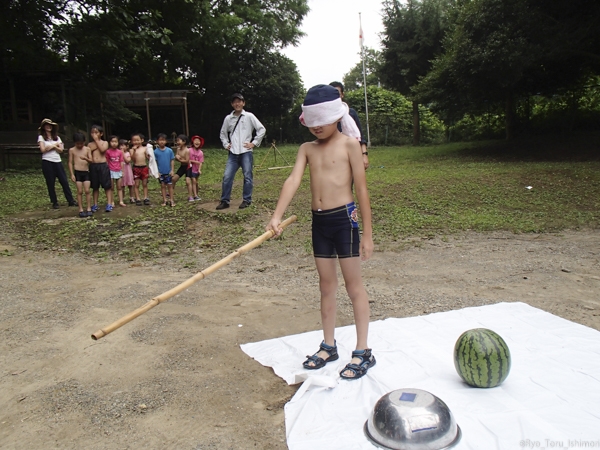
500	50
209	47
413	34
26	32
273	85
354	79
24	45
390	117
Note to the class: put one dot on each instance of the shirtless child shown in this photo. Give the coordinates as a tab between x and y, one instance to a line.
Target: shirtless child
79	158
182	154
334	161
99	172
140	168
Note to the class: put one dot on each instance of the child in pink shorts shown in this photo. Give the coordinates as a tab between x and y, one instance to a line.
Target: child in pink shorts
196	161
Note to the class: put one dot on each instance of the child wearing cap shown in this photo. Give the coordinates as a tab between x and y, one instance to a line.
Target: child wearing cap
335	162
196	161
51	147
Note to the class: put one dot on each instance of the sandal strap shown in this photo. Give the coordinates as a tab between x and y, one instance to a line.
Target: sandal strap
354	368
365	356
314	358
357	371
330	349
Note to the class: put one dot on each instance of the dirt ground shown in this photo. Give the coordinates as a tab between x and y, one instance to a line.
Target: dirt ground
176	377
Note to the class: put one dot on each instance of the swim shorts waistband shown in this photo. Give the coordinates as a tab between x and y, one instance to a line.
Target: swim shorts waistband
324	212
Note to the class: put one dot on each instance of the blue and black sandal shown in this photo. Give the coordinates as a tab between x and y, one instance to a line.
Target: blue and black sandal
319	362
360	369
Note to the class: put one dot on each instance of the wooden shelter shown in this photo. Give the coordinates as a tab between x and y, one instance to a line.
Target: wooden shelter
163	98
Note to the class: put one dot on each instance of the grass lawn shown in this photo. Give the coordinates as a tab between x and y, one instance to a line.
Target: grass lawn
415	191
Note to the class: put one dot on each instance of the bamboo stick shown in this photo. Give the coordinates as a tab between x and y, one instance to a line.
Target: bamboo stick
187	283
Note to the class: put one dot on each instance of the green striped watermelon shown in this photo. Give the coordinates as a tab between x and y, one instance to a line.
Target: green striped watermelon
481	358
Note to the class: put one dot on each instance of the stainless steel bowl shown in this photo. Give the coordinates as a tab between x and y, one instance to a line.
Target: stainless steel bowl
412	419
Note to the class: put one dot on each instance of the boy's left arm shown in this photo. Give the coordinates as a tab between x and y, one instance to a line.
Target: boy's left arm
362	195
172	167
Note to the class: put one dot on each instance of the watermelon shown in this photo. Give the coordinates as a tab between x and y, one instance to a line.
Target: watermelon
481	358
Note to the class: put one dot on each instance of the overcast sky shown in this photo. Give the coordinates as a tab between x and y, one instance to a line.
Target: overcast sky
331	45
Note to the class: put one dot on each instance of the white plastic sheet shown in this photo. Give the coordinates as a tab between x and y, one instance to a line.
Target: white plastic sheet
550	400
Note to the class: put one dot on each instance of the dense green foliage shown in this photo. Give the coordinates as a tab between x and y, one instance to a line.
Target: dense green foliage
209	48
390	117
414	191
412	38
354	79
479	63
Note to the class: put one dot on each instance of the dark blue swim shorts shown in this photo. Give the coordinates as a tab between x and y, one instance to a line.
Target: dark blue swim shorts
335	232
165	179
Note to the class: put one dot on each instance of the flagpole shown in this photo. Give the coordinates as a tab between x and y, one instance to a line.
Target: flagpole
362	57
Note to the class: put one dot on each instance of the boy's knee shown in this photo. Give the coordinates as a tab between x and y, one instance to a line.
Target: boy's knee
355	290
328	287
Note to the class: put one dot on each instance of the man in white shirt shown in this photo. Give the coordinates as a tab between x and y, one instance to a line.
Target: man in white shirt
236	136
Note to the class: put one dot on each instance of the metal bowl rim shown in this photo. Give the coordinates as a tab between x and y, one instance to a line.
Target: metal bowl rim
380	445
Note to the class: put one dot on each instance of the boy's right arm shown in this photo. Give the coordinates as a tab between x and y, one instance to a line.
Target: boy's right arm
88	155
71	162
288	190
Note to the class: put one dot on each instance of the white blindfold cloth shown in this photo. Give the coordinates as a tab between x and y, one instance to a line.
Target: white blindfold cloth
323	106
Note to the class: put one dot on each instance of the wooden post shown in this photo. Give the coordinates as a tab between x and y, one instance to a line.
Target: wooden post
147	99
187	122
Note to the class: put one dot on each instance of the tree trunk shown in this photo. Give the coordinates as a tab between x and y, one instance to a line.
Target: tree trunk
509	116
416	124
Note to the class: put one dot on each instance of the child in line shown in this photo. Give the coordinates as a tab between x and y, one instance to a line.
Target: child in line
165	160
127	179
196	161
182	155
115	159
80	156
335	162
140	168
99	171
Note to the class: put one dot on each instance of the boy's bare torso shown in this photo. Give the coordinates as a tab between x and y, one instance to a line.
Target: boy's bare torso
330	171
98	152
139	156
79	163
183	155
